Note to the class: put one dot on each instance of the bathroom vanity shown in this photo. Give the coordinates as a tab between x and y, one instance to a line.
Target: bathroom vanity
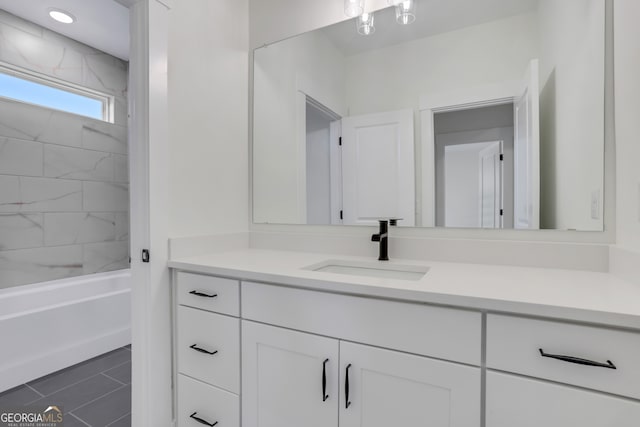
274	338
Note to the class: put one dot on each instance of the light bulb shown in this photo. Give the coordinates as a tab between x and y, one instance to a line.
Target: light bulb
61	16
364	24
353	8
406	12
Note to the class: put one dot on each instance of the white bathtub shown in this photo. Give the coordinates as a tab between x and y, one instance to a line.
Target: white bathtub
49	326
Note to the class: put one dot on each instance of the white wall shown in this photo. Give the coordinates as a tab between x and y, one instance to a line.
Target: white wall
572	50
494	52
208	75
627	75
283	73
273	20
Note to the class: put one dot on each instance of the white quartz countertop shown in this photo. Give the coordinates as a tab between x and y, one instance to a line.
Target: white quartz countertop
599	298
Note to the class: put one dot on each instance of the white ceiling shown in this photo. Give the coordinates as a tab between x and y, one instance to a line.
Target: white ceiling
102	24
432	17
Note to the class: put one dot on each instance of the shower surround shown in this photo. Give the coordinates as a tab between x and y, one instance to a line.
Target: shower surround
64	182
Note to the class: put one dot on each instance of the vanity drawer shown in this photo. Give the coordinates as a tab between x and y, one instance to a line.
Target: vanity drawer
208	293
208	403
200	332
514	344
415	328
522	402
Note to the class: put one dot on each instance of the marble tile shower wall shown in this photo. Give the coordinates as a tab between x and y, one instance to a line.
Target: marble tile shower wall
64	192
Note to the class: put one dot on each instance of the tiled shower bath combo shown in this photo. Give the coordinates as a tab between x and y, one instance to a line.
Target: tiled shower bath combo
64	215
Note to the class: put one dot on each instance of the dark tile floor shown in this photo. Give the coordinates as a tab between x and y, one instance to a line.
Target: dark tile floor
95	393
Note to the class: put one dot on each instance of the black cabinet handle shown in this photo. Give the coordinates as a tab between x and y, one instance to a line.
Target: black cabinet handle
201	421
579	361
325	396
200	294
346	388
202	350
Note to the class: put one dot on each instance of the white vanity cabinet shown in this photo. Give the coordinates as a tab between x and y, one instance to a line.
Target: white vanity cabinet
292	379
254	354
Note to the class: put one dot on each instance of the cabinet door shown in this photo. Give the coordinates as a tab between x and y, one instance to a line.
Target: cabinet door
516	401
388	388
282	378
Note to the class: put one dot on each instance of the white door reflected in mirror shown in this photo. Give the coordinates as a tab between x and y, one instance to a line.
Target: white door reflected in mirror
377	168
473	185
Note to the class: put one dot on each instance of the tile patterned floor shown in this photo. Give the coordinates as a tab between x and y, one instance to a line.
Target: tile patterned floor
95	393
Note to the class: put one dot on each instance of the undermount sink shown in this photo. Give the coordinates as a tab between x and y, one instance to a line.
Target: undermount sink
380	269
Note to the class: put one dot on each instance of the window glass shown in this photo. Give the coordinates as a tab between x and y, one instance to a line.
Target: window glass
58	98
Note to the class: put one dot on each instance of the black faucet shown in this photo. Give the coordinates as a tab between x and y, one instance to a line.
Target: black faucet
383	238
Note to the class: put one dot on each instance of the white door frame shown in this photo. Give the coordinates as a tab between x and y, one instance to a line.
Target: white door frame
148	166
531	153
459	99
301	157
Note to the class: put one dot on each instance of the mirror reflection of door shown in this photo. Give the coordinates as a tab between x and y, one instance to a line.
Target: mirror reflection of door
359	168
487	160
378	168
474	167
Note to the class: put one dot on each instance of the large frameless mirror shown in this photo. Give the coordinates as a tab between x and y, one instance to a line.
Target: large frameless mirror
457	113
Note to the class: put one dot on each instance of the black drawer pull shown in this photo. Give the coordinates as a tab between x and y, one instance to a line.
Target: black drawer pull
200	294
579	361
201	421
346	388
325	396
202	350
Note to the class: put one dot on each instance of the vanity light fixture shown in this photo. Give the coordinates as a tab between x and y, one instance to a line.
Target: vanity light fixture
365	24
61	16
405	12
353	8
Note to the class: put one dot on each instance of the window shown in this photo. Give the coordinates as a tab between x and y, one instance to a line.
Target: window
46	92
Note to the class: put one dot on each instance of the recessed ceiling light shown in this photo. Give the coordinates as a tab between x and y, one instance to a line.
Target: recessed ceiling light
61	16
